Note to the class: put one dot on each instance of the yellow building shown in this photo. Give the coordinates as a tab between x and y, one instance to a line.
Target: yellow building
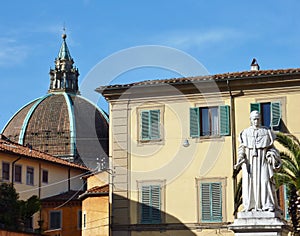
36	173
95	205
173	146
62	214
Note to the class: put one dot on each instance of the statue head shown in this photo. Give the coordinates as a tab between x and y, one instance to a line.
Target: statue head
255	118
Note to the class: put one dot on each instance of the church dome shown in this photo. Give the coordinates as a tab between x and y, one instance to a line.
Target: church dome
63	123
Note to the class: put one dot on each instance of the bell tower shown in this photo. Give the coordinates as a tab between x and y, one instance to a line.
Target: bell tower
64	77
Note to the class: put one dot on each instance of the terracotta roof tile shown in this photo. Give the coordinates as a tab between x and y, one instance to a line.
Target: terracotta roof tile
95	191
231	75
8	146
99	189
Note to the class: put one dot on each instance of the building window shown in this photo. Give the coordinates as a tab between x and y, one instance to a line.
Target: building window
150	125
5	170
18	174
84	220
211	200
151	198
270	113
45	176
55	220
30	176
150	209
209	121
79	219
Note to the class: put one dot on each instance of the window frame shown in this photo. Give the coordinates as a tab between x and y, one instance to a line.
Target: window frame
4	173
15	174
30	175
213	129
60	219
151	183
223	184
45	171
196	118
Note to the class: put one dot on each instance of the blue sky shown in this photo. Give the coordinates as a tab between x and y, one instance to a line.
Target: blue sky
223	35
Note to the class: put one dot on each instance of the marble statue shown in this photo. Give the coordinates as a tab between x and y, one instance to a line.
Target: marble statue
259	160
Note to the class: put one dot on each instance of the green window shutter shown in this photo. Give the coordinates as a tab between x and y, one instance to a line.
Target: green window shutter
275	114
145	208
155	204
216	196
224	112
195	122
150	125
145	131
154	124
205	202
211	202
255	107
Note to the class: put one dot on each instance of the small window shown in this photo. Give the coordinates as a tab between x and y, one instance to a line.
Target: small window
211	202
270	113
84	220
5	170
79	219
150	125
151	204
55	220
45	176
30	176
209	121
18	174
211	193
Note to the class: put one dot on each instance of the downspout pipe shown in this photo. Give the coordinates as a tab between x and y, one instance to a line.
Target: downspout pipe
40	180
39	194
13	170
69	179
233	133
233	129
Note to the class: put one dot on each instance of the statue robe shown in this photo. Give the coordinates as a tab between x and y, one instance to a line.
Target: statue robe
258	184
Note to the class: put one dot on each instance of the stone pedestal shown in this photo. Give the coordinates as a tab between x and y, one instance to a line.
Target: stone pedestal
260	223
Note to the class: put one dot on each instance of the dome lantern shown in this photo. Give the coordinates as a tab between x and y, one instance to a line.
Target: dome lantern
64	77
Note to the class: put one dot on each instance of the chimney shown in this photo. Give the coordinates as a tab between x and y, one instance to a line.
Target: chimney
254	65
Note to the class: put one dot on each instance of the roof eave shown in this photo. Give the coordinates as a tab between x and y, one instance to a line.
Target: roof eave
185	84
87	194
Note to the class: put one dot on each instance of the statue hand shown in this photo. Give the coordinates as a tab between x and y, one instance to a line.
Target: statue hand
269	159
240	161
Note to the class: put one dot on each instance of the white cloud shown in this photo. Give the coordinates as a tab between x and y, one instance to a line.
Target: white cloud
16	43
11	53
188	38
